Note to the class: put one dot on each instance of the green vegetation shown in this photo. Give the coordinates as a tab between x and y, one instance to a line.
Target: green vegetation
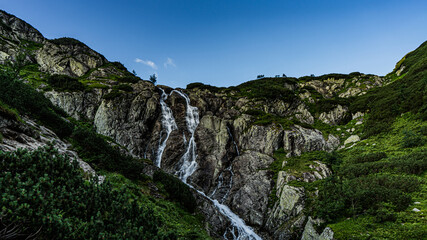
8	113
65	83
202	86
67	41
409	94
267	89
177	190
94	149
42	192
123	87
262	118
174	218
27	100
128	79
375	184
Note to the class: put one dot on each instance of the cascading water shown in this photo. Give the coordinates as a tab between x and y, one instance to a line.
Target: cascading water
188	165
188	160
168	125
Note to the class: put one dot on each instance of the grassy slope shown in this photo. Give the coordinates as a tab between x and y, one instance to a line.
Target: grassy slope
408	224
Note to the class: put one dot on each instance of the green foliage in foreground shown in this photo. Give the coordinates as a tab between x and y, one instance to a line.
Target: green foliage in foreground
176	189
42	190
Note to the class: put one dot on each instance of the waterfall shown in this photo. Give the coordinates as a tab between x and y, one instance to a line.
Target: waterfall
188	165
168	125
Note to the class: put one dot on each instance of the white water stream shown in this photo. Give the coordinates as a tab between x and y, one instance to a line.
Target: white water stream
188	165
168	125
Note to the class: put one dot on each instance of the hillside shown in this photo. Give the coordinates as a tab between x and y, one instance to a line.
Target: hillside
338	156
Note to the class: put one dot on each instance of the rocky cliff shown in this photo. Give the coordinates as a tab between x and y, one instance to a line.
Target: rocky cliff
239	133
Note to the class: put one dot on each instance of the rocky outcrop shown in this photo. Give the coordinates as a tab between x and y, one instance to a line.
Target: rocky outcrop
335	116
264	139
79	105
16	29
310	232
129	118
27	134
251	186
299	140
70	59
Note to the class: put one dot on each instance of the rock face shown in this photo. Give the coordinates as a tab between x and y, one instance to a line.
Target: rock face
128	119
335	116
299	140
70	59
251	186
16	29
29	135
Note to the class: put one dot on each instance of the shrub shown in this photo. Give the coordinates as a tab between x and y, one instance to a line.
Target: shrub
327	105
413	163
119	66
129	79
412	139
123	87
8	113
177	190
369	157
203	86
340	198
67	41
268	89
42	191
93	148
65	83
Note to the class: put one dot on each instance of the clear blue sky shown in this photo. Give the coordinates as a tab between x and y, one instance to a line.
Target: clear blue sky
227	42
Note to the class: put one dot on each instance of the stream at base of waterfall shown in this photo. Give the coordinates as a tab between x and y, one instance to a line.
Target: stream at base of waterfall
188	165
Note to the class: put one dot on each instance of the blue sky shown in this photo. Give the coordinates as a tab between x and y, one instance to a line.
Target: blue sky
227	42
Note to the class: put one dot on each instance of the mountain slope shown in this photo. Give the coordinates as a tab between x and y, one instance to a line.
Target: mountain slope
261	146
